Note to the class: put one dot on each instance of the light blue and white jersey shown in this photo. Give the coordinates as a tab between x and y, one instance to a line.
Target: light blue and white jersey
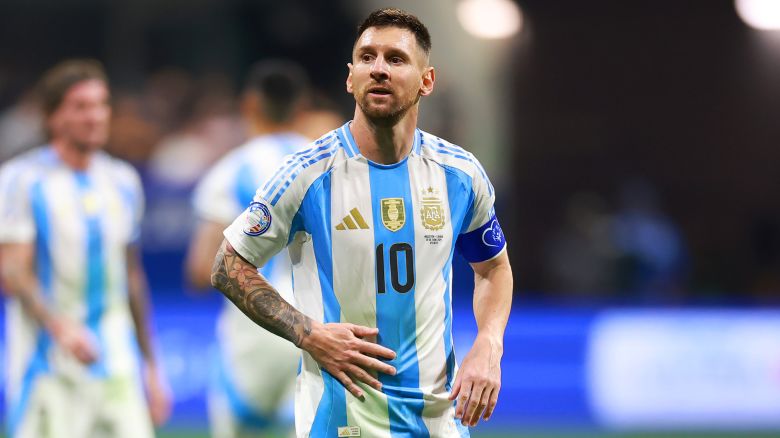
379	246
253	363
230	186
81	224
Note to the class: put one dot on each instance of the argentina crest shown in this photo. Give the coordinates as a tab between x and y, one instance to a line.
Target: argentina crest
432	212
393	213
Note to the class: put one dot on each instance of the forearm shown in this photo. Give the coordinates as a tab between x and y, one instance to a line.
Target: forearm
20	281
493	299
138	296
200	256
254	295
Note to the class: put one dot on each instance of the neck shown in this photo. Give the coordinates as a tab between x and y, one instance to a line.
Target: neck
384	143
259	127
72	156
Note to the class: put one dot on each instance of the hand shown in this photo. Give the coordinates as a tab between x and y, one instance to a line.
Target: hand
340	348
76	339
478	382
158	394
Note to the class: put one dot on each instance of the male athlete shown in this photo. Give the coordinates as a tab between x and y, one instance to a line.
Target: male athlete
374	211
69	224
254	379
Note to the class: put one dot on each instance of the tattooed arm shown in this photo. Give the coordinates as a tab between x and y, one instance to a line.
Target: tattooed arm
337	347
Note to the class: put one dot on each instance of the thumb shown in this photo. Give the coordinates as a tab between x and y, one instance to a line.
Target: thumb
455	388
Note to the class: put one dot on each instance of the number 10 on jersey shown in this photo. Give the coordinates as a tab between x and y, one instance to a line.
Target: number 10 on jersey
396	252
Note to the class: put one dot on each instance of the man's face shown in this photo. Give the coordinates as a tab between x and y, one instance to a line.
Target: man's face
83	117
389	73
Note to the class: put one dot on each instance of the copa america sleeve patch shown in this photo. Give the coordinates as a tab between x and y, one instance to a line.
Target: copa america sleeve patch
484	243
258	219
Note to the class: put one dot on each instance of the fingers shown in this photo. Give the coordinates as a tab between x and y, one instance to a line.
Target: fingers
455	388
492	402
355	390
463	399
377	350
362	331
84	351
360	374
370	363
476	405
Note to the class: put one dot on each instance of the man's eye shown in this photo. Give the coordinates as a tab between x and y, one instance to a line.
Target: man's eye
396	60
367	58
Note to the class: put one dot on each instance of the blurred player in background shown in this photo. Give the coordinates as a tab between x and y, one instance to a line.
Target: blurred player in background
69	227
376	209
254	384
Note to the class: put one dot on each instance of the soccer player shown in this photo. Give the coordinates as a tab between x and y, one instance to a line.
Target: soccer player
374	211
255	380
69	224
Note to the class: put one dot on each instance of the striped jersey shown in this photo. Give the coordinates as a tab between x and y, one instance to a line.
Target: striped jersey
81	223
377	250
221	196
230	186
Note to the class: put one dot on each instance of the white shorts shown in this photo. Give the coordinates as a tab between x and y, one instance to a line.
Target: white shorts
253	382
92	408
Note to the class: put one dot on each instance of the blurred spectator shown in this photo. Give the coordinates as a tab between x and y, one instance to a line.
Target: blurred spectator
653	260
580	257
21	126
132	136
212	127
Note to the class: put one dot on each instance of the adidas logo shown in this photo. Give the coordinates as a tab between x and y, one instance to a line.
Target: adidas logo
353	221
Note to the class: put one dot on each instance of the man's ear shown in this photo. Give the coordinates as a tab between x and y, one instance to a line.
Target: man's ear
428	79
349	78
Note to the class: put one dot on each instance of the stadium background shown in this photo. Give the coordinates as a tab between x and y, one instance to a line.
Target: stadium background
635	150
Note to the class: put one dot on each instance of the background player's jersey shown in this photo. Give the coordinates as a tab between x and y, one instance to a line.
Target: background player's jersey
382	241
221	196
81	224
230	185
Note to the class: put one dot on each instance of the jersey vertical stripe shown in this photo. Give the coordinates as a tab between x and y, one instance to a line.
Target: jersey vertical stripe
38	363
95	278
395	312
332	410
354	282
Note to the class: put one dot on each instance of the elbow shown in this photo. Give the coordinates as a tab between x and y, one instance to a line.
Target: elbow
215	279
199	278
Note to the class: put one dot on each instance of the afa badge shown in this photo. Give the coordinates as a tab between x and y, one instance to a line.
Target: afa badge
258	219
393	213
432	212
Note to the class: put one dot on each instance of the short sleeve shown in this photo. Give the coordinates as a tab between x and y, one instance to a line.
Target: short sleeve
17	221
483	238
263	229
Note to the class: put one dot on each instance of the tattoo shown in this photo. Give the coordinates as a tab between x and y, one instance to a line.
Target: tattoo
253	294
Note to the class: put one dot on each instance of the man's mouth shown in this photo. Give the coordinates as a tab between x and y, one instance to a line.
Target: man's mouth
379	91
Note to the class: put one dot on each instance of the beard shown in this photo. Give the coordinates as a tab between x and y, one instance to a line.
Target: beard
385	114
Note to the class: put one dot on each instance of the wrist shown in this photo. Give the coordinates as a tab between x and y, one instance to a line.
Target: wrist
306	340
496	342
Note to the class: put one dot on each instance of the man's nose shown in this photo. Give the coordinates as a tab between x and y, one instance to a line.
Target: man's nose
379	69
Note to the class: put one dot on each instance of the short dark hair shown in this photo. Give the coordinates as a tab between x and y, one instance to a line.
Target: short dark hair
56	81
281	84
392	17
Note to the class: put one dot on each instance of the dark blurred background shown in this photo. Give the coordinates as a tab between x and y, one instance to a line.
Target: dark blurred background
634	147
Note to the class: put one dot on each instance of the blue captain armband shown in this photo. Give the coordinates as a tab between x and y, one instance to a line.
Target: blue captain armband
484	243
